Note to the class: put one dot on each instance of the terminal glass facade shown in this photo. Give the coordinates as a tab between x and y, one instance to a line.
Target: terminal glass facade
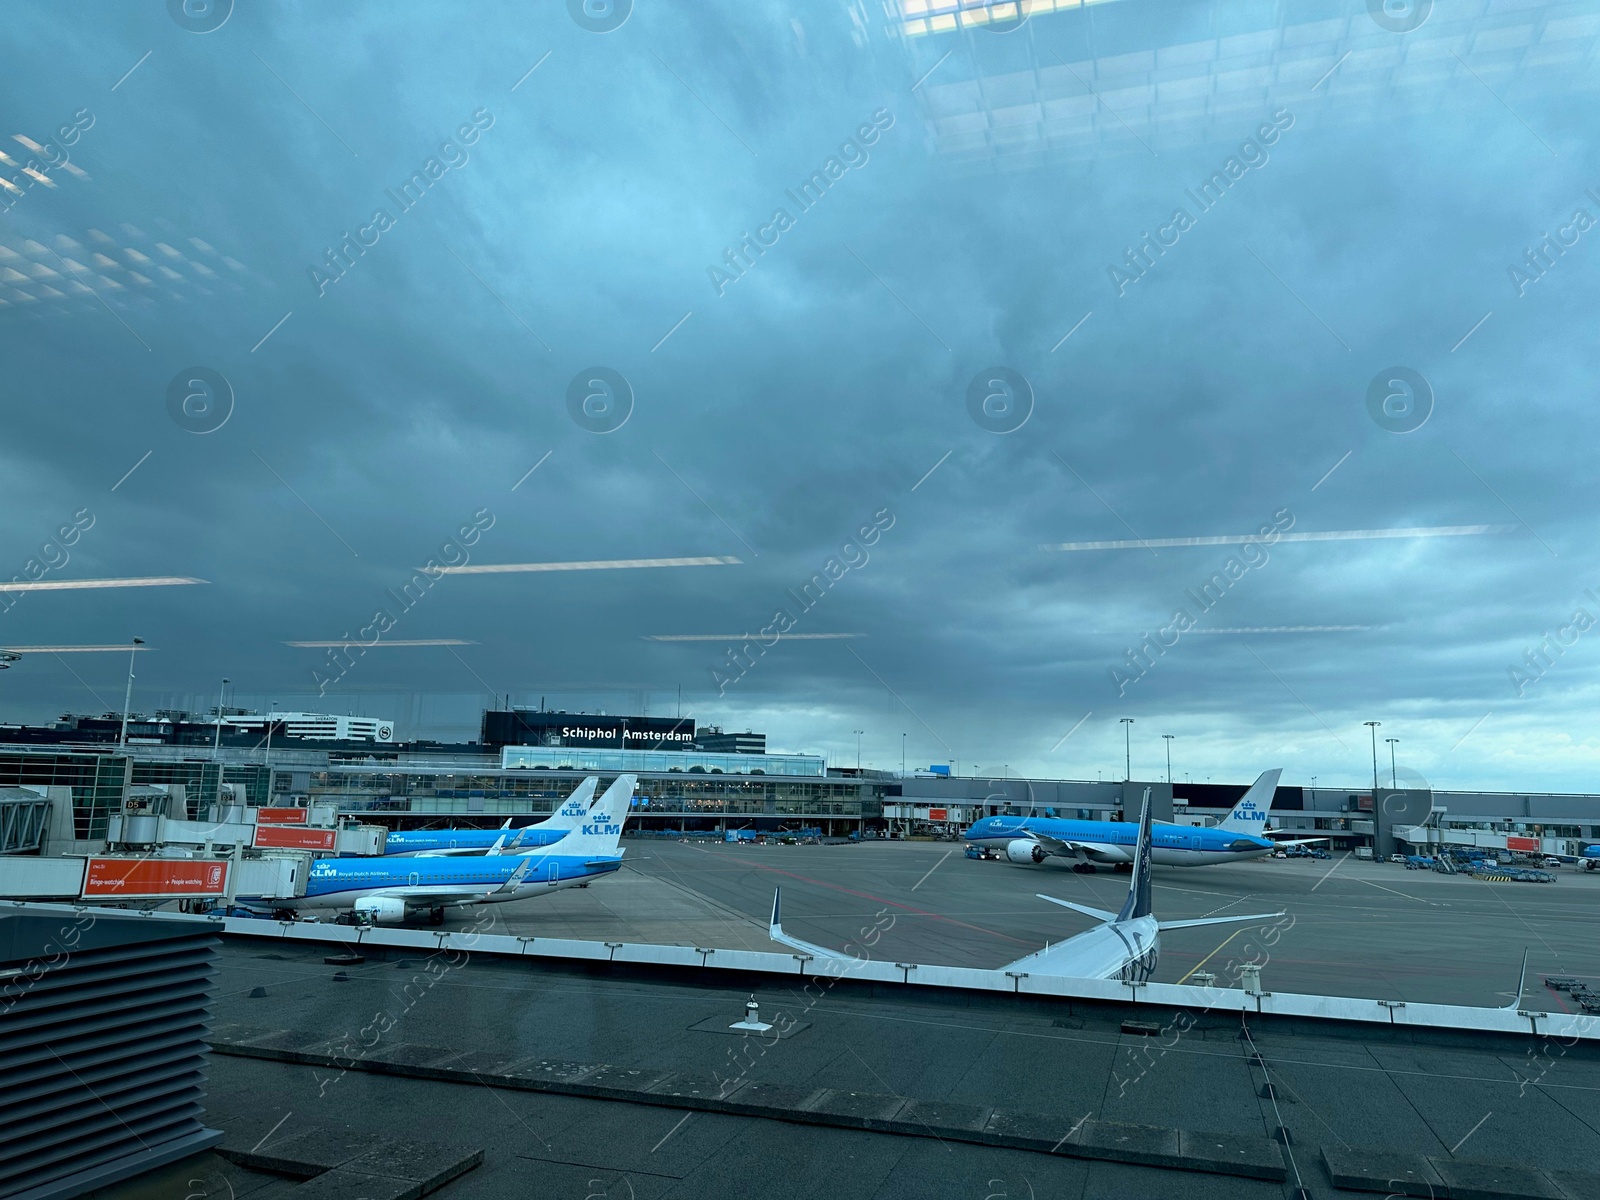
97	782
667	799
640	761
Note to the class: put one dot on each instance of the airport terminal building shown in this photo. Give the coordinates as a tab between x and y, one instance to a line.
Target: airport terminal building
690	781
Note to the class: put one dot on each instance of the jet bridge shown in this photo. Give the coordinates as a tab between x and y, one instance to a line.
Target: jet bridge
116	878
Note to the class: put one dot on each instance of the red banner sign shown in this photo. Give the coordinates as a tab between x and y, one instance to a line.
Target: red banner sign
281	816
1526	844
155	877
937	814
287	837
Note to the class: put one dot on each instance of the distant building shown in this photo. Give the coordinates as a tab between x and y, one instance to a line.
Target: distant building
711	739
315	727
537	727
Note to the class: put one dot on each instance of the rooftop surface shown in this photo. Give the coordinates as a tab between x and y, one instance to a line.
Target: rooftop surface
610	1082
1054	1065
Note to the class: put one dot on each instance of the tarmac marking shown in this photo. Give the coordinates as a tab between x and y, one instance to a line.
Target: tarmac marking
1407	895
1330	871
931	870
1213	954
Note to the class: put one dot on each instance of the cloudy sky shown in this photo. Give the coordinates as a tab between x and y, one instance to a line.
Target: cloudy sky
580	194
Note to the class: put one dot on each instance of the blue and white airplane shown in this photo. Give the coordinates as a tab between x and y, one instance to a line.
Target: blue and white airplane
408	842
1237	837
386	891
1125	945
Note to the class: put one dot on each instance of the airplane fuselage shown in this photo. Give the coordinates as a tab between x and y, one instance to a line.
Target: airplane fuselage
1125	950
404	843
1114	841
337	883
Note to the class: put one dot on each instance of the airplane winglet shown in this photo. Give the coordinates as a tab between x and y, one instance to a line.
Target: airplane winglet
1196	922
499	845
515	878
1522	982
776	933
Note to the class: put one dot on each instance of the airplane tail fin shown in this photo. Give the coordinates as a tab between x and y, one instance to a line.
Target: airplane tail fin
1138	902
600	830
1250	814
573	809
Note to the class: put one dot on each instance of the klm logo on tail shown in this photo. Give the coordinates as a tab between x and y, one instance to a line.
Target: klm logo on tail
601	828
575	810
1249	812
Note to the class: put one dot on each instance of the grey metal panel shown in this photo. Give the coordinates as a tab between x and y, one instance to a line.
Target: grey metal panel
102	1046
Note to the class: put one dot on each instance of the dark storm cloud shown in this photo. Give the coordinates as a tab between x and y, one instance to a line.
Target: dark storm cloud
772	421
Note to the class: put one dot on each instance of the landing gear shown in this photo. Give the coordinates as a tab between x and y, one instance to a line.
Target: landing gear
1125	868
1083	868
436	916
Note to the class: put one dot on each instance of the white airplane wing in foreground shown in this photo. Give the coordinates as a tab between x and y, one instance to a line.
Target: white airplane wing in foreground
1122	945
776	933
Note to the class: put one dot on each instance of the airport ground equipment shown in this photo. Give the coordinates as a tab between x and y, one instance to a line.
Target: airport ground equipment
1512	874
102	1047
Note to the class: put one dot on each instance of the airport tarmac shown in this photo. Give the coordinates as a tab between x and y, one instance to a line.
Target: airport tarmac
1351	927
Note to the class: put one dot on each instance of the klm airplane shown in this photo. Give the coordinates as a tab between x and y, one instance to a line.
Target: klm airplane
1124	945
1238	837
387	891
407	842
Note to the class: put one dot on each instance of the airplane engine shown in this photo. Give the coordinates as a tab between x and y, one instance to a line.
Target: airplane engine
379	910
1024	851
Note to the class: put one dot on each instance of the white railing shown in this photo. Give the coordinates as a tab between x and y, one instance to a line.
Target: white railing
1566	1026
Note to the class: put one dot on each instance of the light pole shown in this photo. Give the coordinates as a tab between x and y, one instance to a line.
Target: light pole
902	756
859	732
216	738
1127	748
1393	780
1169	737
127	699
1373	725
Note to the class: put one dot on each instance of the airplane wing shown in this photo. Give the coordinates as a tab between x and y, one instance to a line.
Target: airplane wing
1276	836
1073	848
776	933
1166	925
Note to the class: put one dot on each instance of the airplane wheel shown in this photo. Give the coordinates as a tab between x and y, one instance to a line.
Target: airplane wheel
1125	868
436	916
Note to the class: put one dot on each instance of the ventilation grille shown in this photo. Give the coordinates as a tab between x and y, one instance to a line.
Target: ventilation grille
103	1026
